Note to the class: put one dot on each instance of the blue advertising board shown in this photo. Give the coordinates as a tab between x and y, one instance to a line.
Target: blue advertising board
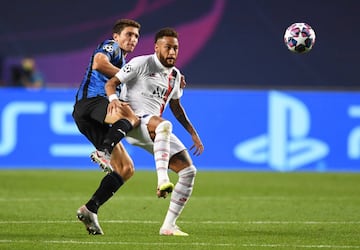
252	130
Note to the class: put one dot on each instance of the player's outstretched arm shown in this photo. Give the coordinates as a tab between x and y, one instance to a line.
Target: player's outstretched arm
180	114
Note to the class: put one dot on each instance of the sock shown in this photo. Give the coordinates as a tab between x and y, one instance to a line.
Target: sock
162	151
108	186
180	195
117	131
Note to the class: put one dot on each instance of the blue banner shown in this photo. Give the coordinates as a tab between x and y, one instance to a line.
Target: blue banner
256	130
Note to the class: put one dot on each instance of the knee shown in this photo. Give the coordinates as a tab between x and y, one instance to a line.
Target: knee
135	121
193	170
129	170
126	171
164	127
189	171
132	118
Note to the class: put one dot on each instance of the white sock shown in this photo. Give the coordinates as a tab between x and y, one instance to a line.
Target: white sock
180	195
162	151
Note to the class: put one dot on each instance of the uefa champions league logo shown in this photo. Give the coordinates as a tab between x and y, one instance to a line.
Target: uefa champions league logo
286	146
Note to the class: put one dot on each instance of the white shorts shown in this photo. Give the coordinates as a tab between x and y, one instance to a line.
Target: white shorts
140	137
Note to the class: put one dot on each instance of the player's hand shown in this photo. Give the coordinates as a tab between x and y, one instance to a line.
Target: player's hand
182	81
198	146
115	106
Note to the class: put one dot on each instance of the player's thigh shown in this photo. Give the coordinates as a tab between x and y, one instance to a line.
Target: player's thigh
152	125
124	112
97	108
95	133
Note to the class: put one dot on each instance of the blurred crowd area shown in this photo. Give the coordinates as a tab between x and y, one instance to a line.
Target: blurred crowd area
24	74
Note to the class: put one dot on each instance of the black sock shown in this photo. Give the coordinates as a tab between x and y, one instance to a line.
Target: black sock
108	186
117	131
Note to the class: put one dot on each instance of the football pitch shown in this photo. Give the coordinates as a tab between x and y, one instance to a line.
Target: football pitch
228	210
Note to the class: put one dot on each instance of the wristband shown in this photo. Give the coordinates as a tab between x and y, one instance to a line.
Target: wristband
113	97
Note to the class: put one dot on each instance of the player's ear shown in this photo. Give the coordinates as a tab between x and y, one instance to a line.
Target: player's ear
156	47
115	36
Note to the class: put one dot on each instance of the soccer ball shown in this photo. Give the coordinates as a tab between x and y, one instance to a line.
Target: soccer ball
299	37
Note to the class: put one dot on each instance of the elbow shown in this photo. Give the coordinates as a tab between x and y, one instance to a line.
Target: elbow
112	83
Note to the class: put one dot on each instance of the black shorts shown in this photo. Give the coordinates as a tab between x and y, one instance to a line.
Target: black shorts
89	115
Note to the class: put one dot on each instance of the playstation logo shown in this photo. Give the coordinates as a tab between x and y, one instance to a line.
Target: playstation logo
286	146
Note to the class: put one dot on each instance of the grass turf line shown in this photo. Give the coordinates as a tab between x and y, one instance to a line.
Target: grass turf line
228	210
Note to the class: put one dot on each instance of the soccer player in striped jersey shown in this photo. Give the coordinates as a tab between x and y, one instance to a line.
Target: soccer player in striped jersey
151	82
92	119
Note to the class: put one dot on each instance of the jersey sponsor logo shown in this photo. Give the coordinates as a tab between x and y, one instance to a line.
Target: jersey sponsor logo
159	92
108	48
286	146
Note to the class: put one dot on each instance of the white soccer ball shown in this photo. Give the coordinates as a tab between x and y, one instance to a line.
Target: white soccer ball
299	37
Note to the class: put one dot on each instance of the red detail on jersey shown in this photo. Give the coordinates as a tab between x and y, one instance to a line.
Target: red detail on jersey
169	89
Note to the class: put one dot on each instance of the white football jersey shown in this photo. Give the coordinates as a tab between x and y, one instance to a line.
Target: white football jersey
148	86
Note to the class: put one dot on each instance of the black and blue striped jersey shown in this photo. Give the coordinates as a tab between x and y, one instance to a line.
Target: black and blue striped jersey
93	83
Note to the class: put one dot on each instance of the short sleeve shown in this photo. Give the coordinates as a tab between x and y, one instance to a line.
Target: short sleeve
108	48
129	71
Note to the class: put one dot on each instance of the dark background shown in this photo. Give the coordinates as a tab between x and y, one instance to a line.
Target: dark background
224	43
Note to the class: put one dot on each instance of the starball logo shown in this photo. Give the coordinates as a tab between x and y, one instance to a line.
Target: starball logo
286	146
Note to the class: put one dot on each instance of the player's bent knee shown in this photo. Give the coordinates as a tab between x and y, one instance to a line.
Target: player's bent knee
188	171
134	120
112	118
129	172
164	127
126	171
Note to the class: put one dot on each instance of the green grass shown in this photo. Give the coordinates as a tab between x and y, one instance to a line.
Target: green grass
228	210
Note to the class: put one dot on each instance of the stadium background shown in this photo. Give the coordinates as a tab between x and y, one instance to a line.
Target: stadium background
234	58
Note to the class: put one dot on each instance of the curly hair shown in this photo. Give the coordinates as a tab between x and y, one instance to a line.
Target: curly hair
165	32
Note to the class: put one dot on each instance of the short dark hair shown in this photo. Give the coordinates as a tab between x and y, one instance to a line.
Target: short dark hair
165	32
121	24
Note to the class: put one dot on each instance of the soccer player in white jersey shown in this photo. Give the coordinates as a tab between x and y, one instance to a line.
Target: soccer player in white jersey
150	83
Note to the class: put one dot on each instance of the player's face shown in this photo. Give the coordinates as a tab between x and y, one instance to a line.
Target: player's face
127	39
167	49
